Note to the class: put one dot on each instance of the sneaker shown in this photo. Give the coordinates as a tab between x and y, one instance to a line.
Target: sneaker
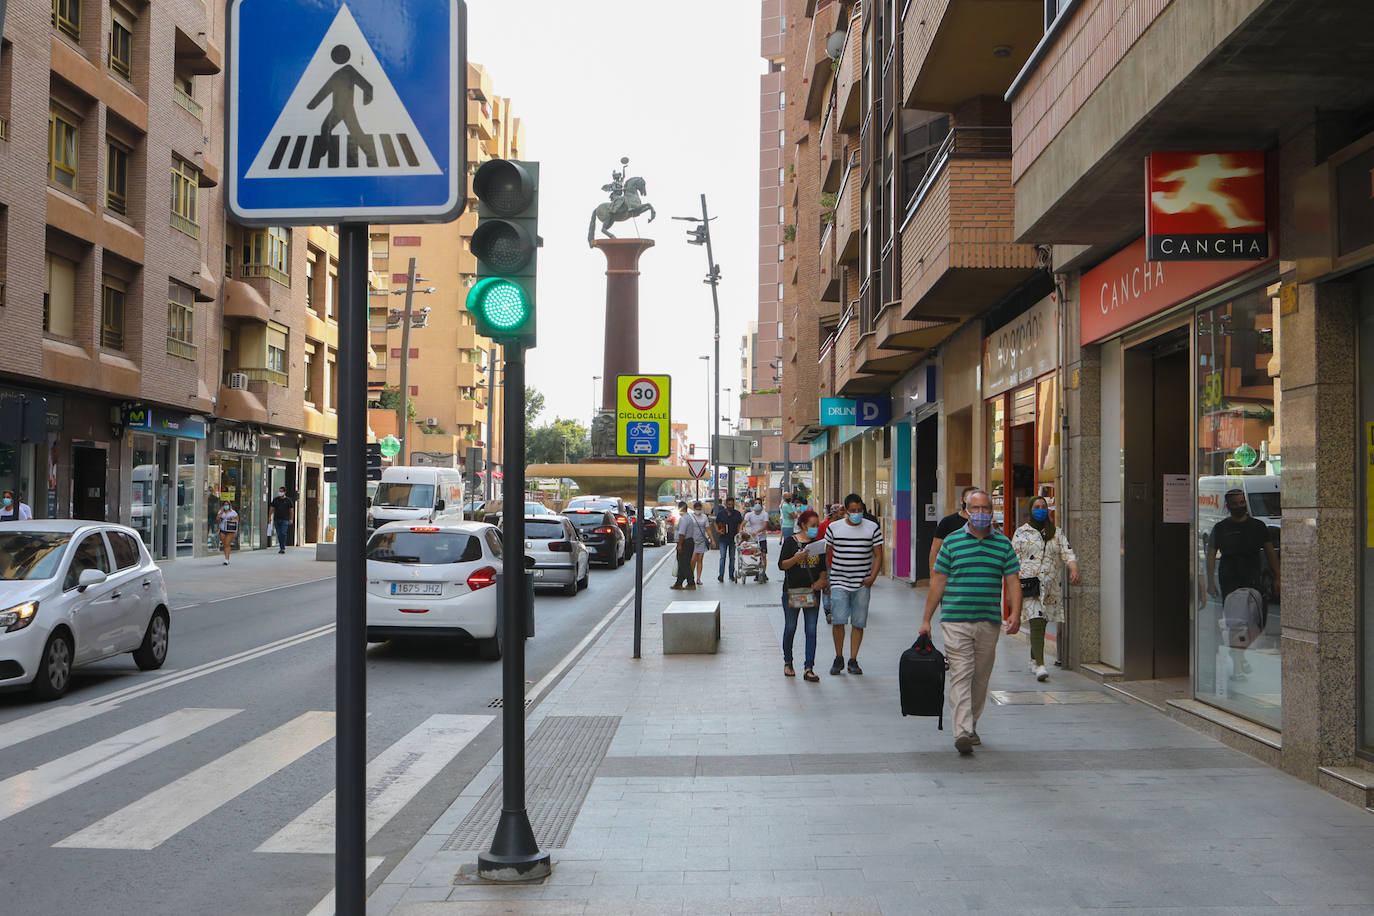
1041	674
838	666
720	578
1033	666
854	666
975	740
226	562
964	744
675	587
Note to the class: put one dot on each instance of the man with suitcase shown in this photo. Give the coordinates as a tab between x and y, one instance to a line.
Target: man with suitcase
976	564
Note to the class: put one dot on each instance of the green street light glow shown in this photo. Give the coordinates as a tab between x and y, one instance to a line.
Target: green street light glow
501	302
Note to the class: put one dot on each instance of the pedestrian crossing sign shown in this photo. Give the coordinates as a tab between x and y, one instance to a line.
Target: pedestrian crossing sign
346	111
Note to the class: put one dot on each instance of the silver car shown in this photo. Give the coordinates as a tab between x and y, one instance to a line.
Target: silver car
560	558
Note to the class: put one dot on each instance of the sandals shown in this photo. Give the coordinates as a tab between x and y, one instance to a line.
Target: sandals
811	676
788	671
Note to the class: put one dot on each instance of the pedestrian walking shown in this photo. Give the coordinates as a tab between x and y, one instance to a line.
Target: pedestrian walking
856	555
1246	547
227	523
697	529
12	510
950	524
975	566
804	575
756	526
685	546
787	516
1040	549
728	520
280	513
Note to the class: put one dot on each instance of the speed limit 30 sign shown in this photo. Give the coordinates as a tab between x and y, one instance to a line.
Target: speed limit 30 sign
642	422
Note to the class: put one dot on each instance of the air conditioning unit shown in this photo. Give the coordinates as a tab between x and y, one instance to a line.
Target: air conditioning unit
238	380
431	421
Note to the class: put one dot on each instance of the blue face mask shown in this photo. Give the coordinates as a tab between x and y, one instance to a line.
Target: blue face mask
856	517
980	520
812	531
1040	513
7	502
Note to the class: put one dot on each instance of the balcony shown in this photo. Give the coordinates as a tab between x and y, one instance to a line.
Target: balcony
469	374
479	118
817	71
832	150
849	74
958	257
468	413
765	404
829	271
247	405
243	301
266	376
847	214
951	56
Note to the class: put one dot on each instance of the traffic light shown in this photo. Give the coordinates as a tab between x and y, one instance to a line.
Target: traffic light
698	235
506	244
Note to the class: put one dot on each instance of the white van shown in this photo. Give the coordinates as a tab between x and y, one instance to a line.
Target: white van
1263	493
416	494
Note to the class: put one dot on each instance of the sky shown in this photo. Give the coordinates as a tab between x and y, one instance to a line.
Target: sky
675	87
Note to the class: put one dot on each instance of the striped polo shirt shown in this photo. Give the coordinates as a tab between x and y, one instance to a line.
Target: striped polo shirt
851	552
975	568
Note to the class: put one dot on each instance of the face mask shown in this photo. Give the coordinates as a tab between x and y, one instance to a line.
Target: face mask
1237	511
856	517
7	502
700	513
981	520
812	531
1040	513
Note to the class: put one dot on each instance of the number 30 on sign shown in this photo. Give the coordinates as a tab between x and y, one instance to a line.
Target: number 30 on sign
642	423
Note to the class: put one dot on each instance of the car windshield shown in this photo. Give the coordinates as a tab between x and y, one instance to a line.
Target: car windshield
1266	505
425	547
537	509
31	554
589	503
543	531
663	513
587	519
405	495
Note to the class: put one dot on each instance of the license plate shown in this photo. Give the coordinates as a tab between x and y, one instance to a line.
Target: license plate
417	588
539	573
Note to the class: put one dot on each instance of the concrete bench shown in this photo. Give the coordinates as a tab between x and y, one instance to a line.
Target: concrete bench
691	628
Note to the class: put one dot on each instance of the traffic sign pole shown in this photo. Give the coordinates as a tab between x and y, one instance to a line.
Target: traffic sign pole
350	581
639	559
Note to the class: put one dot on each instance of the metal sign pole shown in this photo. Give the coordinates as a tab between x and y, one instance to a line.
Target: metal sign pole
350	581
403	401
639	559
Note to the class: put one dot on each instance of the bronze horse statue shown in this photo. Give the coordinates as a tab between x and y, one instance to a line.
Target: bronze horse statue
624	204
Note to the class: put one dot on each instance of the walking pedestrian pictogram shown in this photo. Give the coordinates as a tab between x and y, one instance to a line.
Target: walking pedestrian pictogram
345	81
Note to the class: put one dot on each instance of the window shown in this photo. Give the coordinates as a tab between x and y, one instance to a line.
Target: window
116	178
276	353
333	296
125	547
184	93
331	378
66	18
121	42
62	140
59	300
185	187
310	373
228	261
310	281
113	293
89	554
921	141
180	320
266	254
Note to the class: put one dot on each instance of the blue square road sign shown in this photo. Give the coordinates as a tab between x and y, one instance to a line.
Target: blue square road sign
642	437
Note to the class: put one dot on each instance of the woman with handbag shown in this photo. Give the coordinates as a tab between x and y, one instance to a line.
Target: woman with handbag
1041	548
802	560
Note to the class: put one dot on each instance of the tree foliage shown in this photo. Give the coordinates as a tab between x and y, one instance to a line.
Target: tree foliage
534	406
560	441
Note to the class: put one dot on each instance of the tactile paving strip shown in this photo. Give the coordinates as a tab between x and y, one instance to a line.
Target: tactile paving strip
561	760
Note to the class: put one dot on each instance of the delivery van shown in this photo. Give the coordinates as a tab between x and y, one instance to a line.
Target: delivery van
416	494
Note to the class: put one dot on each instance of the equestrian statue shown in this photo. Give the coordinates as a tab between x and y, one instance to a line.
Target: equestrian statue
625	202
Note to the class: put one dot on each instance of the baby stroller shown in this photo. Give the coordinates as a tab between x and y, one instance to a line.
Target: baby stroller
752	557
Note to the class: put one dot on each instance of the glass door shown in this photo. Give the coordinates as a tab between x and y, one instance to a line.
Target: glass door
186	497
143	495
162	525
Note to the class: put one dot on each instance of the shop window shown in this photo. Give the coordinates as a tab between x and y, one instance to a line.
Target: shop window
185	188
112	300
116	178
66	18
266	253
121	60
180	320
62	146
59	297
1239	501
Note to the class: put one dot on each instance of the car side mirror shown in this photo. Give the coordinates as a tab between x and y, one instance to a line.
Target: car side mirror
439	506
90	577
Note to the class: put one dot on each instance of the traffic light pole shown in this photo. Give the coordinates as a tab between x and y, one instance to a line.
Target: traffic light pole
403	403
713	279
350	580
514	853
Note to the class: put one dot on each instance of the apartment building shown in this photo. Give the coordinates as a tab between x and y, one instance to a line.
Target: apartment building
448	362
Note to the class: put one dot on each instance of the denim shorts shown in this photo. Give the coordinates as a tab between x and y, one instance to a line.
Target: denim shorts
849	607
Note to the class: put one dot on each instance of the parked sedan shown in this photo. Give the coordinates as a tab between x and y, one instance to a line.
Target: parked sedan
75	592
560	557
434	580
603	538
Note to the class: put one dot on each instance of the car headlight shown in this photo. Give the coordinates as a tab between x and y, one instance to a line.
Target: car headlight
18	617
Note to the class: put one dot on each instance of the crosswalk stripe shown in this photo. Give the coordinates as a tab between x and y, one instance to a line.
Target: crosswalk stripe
394	777
24	790
160	815
39	724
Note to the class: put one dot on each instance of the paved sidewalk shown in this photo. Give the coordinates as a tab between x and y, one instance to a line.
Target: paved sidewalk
199	579
720	786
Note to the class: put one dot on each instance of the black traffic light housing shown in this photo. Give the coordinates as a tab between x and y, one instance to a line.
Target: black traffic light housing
506	243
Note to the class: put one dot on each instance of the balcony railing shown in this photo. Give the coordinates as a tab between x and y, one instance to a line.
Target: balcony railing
271	376
185	101
185	225
181	348
960	143
267	272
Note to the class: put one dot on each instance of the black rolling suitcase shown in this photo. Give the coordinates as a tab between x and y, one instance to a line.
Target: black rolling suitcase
921	674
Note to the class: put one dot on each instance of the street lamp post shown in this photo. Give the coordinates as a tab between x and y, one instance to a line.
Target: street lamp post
403	404
701	235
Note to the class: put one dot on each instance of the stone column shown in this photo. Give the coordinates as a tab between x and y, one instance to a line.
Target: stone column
621	355
1081	482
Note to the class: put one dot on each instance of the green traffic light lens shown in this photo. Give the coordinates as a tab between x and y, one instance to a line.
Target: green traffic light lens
501	302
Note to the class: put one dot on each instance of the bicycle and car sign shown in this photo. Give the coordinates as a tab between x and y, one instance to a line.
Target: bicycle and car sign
642	423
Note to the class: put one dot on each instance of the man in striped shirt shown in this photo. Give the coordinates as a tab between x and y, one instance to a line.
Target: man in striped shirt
975	565
856	554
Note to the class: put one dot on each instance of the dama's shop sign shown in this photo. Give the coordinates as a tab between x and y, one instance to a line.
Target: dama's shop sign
145	418
1024	349
244	441
1207	206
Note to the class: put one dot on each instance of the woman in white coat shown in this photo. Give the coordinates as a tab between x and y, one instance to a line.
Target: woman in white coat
1042	548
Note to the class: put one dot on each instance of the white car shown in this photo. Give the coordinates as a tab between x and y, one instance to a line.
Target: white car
434	580
74	592
560	557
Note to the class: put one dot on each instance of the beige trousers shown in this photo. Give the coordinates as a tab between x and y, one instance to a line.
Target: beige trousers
970	649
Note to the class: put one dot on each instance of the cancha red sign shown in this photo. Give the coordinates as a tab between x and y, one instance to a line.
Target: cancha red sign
1207	206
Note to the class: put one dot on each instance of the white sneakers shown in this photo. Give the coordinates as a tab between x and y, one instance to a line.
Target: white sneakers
1041	674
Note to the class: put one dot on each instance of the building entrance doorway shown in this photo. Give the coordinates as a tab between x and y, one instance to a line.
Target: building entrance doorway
924	468
1156	443
88	482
